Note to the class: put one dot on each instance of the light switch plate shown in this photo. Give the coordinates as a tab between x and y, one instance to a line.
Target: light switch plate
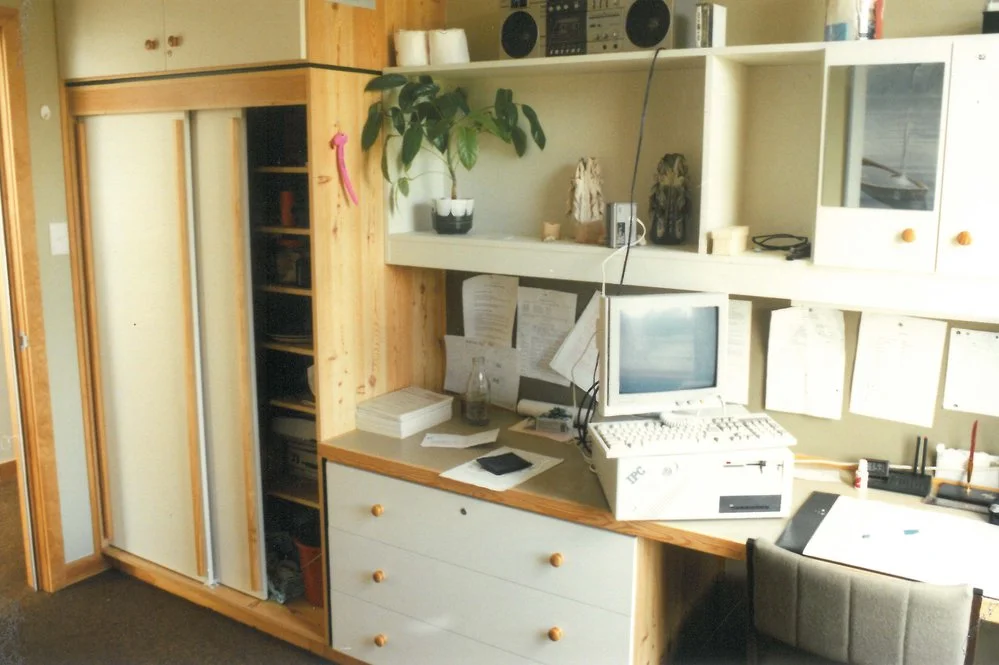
59	238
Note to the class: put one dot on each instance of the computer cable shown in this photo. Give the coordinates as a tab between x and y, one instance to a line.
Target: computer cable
638	154
797	247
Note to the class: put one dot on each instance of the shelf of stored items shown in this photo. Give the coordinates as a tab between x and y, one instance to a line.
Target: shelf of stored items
297	349
302	491
284	230
299	403
765	275
286	290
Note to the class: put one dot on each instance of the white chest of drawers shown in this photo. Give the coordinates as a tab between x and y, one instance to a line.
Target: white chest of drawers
486	580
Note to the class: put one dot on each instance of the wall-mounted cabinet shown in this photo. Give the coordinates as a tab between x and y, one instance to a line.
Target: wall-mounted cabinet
758	126
116	37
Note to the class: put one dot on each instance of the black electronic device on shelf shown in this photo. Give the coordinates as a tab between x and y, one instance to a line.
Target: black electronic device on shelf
915	482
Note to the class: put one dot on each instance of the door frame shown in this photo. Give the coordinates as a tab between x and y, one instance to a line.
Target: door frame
41	519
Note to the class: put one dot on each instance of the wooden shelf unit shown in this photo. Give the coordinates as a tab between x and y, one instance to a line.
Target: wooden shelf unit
302	491
284	230
300	403
298	349
286	290
281	169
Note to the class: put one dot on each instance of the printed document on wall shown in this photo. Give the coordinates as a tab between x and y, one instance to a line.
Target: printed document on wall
897	370
806	362
577	358
501	368
544	318
489	305
735	389
972	383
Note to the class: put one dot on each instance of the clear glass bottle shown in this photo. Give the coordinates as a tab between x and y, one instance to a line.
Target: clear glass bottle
477	394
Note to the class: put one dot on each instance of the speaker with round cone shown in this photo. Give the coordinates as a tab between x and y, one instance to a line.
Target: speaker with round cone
519	35
647	22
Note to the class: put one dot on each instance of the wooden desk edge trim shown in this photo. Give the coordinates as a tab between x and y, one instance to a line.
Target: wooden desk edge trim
557	508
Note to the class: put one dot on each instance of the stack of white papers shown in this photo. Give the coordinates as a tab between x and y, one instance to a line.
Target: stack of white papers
404	412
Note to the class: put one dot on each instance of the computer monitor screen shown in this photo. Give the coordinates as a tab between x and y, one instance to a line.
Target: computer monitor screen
660	349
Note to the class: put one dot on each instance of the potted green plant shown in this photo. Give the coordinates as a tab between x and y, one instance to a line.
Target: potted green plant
420	114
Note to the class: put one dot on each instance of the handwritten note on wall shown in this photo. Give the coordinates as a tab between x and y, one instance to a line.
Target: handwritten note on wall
544	318
806	361
972	383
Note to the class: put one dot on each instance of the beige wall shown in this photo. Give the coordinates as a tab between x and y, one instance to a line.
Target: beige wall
758	21
45	136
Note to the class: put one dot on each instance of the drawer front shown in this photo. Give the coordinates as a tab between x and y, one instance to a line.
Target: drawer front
481	607
596	567
356	624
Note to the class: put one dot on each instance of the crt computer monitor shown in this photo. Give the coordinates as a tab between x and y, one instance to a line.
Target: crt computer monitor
660	349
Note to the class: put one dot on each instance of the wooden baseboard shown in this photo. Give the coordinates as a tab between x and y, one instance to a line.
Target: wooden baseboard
82	569
267	617
8	470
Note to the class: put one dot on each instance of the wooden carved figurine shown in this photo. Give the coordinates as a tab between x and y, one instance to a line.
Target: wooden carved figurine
586	202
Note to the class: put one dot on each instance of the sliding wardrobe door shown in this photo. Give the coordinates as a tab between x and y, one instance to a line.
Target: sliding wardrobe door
217	140
136	183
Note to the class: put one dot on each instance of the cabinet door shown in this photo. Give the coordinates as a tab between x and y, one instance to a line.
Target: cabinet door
969	216
233	32
879	194
152	457
109	37
226	336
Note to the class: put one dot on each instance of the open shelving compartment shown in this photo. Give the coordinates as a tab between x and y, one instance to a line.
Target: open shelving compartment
281	248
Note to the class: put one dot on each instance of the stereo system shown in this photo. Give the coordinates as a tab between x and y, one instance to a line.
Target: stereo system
539	28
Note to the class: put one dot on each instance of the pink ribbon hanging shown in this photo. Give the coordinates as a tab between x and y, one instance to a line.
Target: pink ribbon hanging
338	142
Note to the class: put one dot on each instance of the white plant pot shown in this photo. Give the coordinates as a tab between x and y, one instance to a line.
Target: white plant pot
452	216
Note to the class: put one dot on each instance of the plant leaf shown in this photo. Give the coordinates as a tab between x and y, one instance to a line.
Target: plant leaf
426	79
504	97
404	186
519	141
372	126
385	169
468	146
462	98
536	131
412	92
428	111
398	121
385	82
411	142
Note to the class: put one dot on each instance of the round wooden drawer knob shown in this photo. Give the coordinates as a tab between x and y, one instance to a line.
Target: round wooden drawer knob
909	235
556	560
377	510
380	640
555	634
173	41
152	44
378	576
964	238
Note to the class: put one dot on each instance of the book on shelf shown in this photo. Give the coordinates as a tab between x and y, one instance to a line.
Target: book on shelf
403	413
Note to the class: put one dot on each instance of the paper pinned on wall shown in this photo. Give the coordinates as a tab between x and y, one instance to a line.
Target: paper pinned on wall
735	388
544	318
972	383
489	306
897	370
806	362
502	368
576	360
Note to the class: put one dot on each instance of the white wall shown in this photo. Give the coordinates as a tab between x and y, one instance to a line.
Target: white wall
41	74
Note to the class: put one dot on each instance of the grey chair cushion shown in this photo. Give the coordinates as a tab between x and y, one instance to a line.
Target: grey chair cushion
852	616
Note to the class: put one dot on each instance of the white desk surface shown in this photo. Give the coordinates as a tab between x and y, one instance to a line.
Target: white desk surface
570	491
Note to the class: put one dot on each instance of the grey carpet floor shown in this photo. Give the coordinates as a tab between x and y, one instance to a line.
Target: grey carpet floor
113	619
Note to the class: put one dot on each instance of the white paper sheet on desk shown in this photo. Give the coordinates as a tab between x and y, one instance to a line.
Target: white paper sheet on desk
488	307
544	318
806	362
972	383
473	474
438	440
735	389
897	369
576	359
502	368
914	543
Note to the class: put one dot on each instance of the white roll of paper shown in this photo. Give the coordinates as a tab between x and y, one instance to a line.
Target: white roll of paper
448	47
530	407
411	48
